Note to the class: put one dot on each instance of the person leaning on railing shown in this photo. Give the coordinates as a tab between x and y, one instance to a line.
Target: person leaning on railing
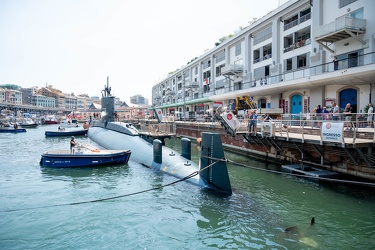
326	114
335	112
348	116
370	115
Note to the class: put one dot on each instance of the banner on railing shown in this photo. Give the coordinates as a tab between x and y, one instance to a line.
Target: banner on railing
159	113
333	131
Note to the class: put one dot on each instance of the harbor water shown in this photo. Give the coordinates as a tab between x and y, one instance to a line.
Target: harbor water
109	207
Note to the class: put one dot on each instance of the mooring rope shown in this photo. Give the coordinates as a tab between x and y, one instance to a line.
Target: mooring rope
291	174
115	197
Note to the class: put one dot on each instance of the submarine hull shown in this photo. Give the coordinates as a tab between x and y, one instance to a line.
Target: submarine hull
142	152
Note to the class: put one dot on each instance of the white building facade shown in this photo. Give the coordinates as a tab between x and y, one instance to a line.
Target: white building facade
284	62
43	101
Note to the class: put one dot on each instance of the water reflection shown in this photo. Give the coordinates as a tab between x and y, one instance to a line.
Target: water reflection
75	173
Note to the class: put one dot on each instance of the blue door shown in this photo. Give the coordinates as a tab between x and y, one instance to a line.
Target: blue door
348	96
296	104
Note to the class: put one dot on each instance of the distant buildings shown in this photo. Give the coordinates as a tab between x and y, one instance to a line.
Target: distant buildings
50	97
139	100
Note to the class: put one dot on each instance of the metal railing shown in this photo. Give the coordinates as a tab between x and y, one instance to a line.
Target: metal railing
354	126
344	22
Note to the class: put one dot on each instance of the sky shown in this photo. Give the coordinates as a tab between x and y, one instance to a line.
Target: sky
74	45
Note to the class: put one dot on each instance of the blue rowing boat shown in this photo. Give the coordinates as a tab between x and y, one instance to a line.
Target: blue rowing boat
66	133
84	156
12	130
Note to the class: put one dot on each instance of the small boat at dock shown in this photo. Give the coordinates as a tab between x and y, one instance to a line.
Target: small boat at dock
84	156
51	119
62	133
28	123
69	123
309	171
12	130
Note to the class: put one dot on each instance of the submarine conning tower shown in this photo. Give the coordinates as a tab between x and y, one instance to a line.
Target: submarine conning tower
108	104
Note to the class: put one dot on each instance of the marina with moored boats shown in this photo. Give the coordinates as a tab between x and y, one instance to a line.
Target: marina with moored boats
264	141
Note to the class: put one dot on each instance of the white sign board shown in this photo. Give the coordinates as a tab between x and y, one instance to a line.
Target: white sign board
333	131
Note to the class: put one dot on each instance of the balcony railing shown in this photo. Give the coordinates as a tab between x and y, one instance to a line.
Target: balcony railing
291	24
192	85
340	24
232	69
303	72
297	45
297	21
260	59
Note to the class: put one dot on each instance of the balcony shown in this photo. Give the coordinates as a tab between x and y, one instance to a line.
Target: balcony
231	69
169	92
157	97
192	85
297	45
341	28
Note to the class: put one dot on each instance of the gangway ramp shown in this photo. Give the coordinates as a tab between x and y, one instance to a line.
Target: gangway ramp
232	124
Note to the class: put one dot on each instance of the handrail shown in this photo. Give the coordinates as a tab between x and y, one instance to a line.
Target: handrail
297	123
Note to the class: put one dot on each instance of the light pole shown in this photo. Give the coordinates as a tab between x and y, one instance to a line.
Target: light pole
183	93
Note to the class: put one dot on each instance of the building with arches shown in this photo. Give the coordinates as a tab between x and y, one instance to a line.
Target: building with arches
302	54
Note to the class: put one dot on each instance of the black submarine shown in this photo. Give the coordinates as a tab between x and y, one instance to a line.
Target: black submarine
211	173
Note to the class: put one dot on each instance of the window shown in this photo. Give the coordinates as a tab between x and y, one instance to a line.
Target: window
288	43
218	69
356	14
301	60
256	55
290	22
267	52
206	88
262	103
220	84
220	57
343	3
206	64
262	35
206	75
289	64
238	49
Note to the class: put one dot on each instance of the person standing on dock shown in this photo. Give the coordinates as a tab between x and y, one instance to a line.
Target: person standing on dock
326	114
318	112
335	112
348	116
253	121
370	115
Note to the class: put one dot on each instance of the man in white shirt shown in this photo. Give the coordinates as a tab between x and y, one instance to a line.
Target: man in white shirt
370	115
336	112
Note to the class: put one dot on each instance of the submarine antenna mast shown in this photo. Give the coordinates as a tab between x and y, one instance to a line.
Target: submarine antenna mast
107	89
